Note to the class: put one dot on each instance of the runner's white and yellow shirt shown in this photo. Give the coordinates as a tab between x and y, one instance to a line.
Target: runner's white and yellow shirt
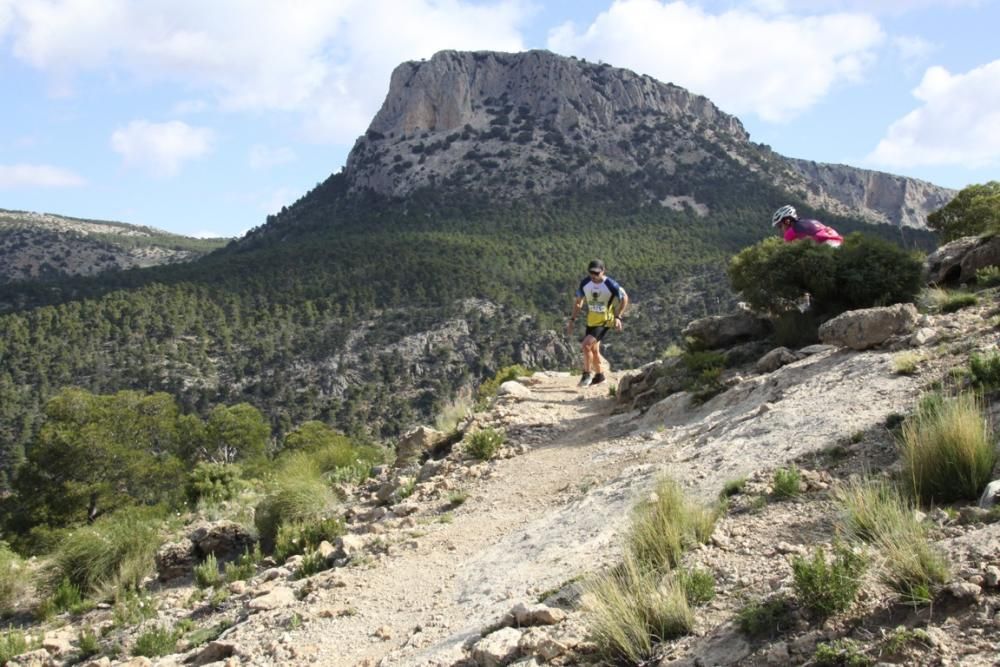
600	298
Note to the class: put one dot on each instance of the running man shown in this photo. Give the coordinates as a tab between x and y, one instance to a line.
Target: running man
606	303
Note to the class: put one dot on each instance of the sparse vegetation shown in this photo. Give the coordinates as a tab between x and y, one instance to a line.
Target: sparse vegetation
156	642
312	563
667	525
698	585
484	444
902	638
13	582
301	537
939	299
733	487
988	276
298	494
828	587
948	449
12	643
905	363
245	566
488	389
787	483
841	653
985	370
457	497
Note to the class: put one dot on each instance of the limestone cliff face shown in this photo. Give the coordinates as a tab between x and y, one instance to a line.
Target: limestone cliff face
514	125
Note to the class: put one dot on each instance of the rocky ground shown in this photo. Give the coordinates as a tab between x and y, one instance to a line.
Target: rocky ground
460	562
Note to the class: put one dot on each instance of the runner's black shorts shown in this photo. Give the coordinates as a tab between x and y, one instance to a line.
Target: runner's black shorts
597	332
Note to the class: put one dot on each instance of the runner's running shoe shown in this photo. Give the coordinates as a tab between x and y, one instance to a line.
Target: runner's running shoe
585	380
598	379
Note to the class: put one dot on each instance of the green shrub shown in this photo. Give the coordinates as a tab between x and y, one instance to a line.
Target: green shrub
13	578
698	585
484	444
631	608
115	552
297	494
948	450
985	371
905	363
902	638
132	608
765	618
312	562
873	507
67	597
156	642
87	642
828	588
862	273
303	536
787	482
245	566
840	653
662	529
12	643
794	329
212	482
206	573
457	497
704	369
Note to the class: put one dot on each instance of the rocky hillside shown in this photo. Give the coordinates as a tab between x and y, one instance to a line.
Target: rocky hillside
449	560
43	246
517	125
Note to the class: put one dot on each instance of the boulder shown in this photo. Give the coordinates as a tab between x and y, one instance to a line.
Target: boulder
224	539
991	495
775	359
653	382
175	559
498	648
513	388
214	652
280	596
415	443
866	328
525	615
958	261
725	330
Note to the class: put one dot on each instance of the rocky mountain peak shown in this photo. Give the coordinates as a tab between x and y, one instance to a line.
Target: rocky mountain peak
512	125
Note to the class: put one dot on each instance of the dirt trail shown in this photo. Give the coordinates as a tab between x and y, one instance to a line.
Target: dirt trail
537	520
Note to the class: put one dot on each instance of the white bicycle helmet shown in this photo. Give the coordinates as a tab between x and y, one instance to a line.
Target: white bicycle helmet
785	211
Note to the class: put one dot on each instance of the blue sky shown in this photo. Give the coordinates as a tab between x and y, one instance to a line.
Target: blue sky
202	118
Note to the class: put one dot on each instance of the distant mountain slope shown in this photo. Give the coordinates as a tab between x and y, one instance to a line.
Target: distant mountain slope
520	124
43	246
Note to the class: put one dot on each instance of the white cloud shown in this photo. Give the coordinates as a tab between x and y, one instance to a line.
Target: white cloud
327	60
160	147
205	234
912	49
185	107
881	7
273	201
37	176
957	124
773	66
262	157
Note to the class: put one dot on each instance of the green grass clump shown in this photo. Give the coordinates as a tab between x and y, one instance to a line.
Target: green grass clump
458	497
663	528
114	553
985	370
13	578
902	638
12	643
988	276
958	301
841	653
827	588
765	618
312	563
905	363
948	449
451	415
787	483
484	444
297	494
156	642
632	608
875	512
698	585
88	643
206	573
132	608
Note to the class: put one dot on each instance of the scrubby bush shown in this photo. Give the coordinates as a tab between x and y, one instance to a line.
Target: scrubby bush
12	643
664	527
988	276
632	607
115	552
704	368
827	588
765	618
872	507
484	444
905	363
974	210
156	642
206	573
862	273
245	566
787	483
299	537
948	449
212	482
329	449
698	585
840	653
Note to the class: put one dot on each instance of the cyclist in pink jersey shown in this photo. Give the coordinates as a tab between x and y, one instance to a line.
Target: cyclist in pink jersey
794	228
